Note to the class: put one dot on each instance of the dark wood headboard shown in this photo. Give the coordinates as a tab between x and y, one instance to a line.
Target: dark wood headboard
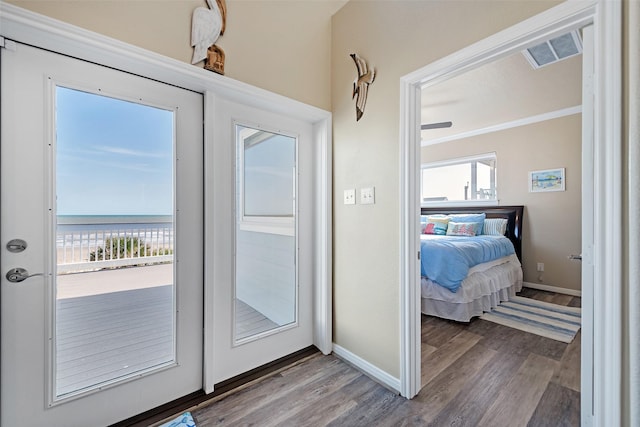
513	214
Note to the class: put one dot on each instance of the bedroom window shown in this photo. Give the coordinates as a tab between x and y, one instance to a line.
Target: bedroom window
266	181
460	180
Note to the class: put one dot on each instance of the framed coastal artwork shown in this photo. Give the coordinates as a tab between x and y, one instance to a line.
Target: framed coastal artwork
546	180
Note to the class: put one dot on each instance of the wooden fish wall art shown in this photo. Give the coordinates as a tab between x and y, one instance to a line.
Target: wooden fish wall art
361	84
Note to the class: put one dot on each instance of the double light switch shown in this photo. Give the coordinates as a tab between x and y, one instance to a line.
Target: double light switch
367	196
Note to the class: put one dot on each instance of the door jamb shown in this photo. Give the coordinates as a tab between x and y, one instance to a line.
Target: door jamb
600	387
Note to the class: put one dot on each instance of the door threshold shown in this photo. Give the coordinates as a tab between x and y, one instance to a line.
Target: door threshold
175	407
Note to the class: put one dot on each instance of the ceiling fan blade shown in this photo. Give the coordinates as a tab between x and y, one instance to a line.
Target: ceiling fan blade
436	125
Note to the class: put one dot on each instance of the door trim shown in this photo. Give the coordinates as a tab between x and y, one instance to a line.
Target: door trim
603	322
41	31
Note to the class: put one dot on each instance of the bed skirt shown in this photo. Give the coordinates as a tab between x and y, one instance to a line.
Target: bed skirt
486	286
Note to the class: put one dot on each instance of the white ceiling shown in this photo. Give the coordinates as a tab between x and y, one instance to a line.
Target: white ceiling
505	90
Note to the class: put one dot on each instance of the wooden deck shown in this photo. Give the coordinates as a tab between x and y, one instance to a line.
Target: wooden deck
114	323
106	336
475	374
250	322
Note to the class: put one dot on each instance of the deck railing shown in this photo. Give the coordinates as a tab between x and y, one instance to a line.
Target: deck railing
87	247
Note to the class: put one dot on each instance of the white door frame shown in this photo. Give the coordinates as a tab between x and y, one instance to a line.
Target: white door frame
17	24
602	306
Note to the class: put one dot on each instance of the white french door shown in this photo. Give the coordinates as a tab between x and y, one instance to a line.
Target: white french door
101	241
263	249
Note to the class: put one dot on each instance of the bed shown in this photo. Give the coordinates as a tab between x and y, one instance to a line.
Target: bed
462	294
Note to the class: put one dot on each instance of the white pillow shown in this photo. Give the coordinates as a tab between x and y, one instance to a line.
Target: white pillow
495	226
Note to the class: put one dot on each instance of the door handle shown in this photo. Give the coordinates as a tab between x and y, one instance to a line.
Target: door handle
18	274
578	257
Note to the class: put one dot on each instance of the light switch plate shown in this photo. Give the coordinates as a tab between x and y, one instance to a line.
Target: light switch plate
368	196
350	196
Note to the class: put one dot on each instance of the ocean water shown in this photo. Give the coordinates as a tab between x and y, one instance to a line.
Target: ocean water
111	222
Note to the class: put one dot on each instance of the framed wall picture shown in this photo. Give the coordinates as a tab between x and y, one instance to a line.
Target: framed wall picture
546	180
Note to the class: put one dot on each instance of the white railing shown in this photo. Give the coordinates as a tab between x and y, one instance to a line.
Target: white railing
88	247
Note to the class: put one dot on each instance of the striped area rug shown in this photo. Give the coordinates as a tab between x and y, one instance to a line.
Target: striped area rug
553	321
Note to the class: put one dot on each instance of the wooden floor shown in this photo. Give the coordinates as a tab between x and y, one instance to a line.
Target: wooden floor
475	374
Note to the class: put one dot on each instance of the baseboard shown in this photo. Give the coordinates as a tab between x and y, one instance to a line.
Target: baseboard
370	370
550	288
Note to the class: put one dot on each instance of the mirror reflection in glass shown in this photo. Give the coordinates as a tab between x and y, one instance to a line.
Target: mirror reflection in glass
265	267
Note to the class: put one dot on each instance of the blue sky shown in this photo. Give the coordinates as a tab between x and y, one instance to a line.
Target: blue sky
113	157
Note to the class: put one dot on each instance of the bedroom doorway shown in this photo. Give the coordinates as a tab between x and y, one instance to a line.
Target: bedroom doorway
598	166
454	330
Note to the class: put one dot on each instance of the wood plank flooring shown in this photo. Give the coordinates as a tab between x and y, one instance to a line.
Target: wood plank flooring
475	374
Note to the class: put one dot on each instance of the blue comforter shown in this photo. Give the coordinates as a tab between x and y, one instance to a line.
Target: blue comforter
446	260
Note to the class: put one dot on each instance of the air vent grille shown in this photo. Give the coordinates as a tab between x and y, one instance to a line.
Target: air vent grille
554	50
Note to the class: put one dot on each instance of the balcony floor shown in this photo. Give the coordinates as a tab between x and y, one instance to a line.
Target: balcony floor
114	323
110	335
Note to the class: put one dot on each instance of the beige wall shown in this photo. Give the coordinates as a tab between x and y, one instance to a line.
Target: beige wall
160	26
281	46
396	37
552	220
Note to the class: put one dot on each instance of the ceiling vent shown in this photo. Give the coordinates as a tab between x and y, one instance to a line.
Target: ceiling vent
554	50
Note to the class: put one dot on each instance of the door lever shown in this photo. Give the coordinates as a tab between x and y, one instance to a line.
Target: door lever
18	274
578	257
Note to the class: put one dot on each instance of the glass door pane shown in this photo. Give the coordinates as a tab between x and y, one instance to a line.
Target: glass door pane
114	187
265	267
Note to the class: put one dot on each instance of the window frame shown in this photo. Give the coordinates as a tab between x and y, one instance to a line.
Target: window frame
281	225
458	161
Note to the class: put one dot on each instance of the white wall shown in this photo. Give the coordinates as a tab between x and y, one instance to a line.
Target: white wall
266	274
